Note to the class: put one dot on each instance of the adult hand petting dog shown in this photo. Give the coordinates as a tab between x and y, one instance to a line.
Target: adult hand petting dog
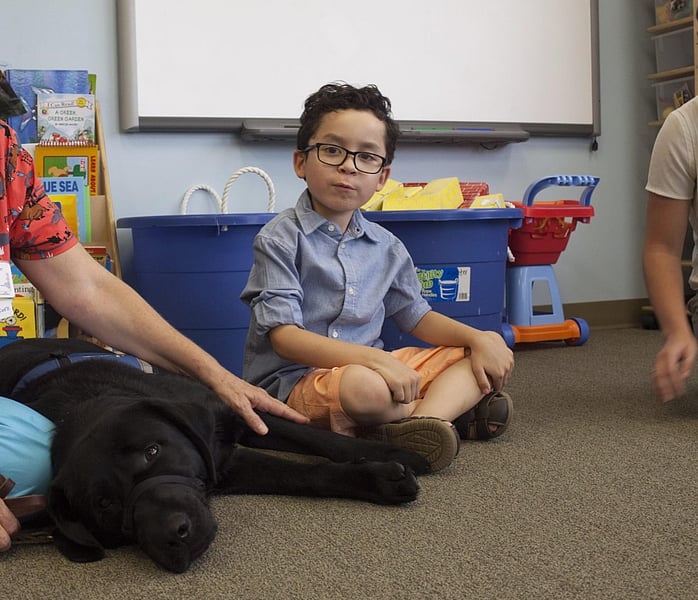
244	398
8	526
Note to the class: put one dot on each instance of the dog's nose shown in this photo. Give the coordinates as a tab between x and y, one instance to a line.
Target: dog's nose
180	526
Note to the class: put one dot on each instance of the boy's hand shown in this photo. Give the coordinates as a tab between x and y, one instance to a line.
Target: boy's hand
492	361
402	381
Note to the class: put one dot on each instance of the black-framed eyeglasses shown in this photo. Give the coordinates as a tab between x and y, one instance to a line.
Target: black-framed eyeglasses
331	154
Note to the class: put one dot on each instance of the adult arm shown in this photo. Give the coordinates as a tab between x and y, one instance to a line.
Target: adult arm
667	220
92	298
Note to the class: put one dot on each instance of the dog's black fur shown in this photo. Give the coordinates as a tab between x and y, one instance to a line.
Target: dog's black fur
135	456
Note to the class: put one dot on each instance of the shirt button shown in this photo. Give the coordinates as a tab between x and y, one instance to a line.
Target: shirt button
351	291
343	245
330	227
335	333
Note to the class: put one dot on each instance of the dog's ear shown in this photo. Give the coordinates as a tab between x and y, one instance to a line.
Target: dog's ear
195	421
71	536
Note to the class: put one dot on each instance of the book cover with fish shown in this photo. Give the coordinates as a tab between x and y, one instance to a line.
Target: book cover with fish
27	83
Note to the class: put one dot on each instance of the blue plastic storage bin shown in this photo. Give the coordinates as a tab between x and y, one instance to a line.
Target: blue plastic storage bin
461	257
192	269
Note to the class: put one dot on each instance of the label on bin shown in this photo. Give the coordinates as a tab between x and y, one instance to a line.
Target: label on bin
445	284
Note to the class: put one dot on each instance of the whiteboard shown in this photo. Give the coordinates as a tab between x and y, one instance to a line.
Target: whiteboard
212	64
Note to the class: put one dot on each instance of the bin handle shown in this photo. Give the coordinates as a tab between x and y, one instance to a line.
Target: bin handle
233	178
589	182
194	188
222	201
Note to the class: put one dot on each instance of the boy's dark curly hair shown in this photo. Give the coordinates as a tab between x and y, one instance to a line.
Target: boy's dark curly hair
340	96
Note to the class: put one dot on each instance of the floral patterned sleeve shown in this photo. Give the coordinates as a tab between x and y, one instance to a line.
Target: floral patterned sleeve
31	227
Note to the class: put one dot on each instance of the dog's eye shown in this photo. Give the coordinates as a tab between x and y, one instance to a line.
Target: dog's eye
151	452
104	502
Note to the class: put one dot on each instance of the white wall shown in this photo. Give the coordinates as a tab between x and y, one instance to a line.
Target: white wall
150	172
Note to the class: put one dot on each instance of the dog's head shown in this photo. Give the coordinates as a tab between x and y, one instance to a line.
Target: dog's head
138	473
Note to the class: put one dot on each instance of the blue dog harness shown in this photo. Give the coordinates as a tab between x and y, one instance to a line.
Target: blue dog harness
59	361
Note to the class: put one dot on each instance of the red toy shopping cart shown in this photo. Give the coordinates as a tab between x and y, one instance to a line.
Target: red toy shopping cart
536	246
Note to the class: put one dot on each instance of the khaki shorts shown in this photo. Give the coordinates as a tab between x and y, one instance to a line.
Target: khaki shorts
316	395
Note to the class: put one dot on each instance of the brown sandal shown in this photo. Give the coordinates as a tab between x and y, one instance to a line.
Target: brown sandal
494	410
24	507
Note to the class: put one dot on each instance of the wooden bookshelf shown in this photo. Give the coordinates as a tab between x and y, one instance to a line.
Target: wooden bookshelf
101	207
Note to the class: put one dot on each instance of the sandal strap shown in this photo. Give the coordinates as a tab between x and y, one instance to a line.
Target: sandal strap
39	536
482	416
21	506
6	485
475	424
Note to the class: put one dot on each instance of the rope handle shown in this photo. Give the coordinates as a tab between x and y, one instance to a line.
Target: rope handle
222	201
194	188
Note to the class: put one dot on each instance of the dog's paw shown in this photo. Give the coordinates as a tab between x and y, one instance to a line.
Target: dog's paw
389	483
414	461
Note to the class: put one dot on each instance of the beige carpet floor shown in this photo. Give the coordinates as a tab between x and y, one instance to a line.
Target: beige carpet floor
590	494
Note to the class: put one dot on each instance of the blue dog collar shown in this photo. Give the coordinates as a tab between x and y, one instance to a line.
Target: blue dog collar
69	359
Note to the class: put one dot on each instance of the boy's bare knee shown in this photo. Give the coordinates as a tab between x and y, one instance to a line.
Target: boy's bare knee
363	393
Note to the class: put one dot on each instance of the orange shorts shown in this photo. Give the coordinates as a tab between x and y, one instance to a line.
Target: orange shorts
316	395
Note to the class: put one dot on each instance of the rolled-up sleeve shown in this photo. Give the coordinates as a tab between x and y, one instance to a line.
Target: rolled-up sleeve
273	291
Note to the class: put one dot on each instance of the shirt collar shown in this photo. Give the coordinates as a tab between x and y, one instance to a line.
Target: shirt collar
310	220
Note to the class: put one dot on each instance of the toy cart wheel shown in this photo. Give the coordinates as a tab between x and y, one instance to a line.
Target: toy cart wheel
583	333
649	320
508	335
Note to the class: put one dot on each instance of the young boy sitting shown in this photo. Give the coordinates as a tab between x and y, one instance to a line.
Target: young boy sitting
325	278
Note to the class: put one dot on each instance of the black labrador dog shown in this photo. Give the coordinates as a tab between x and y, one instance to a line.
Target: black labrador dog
136	456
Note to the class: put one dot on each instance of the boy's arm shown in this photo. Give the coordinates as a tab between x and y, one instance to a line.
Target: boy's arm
492	360
307	348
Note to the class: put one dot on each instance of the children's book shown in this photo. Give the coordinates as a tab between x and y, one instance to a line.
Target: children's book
24	287
21	324
65	118
71	191
27	83
74	160
10	104
68	204
100	253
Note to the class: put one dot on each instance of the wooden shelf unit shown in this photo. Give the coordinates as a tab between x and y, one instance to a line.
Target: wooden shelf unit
101	207
685	23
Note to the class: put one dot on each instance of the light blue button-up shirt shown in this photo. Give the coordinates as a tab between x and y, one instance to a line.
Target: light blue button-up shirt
308	273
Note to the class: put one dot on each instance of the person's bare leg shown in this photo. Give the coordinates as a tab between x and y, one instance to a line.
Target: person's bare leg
366	399
452	393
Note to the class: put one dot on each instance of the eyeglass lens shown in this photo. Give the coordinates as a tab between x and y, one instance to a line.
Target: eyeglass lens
366	162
